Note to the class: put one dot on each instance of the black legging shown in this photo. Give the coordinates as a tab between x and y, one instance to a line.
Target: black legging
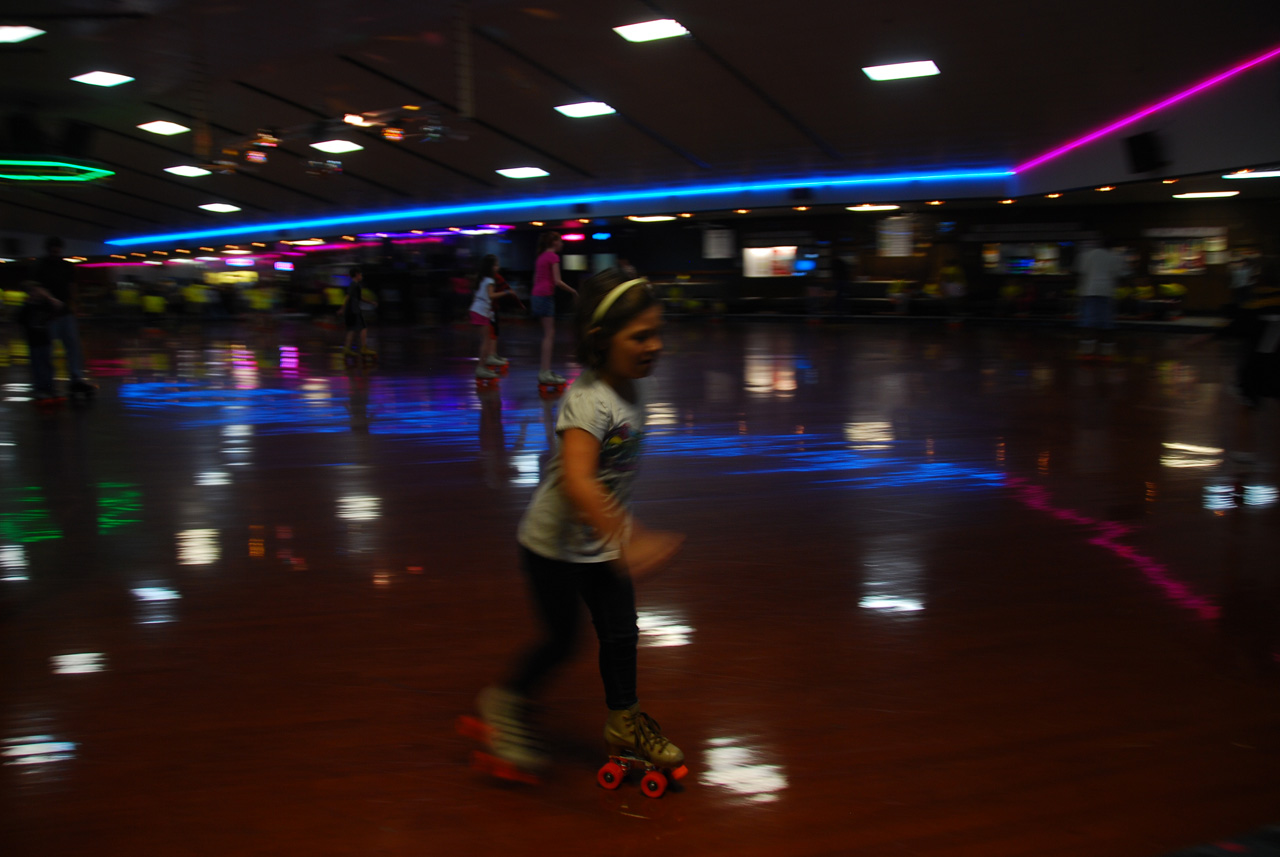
609	595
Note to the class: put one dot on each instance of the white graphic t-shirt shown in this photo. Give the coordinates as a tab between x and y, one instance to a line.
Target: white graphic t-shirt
551	527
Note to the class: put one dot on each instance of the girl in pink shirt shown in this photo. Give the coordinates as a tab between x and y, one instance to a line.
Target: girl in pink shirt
546	279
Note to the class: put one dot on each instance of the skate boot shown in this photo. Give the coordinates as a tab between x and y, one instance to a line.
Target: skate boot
486	378
368	352
82	387
504	716
495	361
636	741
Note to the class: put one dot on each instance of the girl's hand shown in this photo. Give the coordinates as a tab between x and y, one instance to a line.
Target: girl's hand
649	550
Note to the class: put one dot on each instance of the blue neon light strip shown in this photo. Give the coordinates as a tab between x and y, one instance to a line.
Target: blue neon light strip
577	199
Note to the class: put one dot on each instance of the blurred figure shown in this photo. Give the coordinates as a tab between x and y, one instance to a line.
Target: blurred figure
35	316
578	540
56	278
1256	324
1244	271
484	316
1100	270
353	315
546	279
954	288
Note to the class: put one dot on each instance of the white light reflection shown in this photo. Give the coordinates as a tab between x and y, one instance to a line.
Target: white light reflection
1219	498
213	477
732	765
528	468
359	508
198	547
658	629
1182	455
13	562
155	593
869	435
87	662
768	373
661	414
37	750
1260	495
157	604
891	604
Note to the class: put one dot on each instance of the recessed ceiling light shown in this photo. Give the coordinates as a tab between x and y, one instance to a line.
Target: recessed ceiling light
663	28
356	119
936	202
586	108
1253	174
1105	188
164	128
686	214
220	207
1007	201
102	78
237	252
523	172
12	34
337	147
1175	181
898	71
1052	196
869	207
651	218
1208	194
742	211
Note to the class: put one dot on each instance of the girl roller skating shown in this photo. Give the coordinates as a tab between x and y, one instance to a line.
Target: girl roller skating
578	540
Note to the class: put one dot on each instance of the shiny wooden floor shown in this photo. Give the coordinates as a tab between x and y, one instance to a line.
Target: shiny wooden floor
945	592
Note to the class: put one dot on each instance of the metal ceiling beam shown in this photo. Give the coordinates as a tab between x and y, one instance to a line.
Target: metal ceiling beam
477	121
97	207
634	123
59	215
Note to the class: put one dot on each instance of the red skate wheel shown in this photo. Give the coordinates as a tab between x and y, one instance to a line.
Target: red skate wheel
610	776
654	784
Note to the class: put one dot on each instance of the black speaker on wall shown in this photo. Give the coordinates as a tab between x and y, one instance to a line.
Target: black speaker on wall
1146	152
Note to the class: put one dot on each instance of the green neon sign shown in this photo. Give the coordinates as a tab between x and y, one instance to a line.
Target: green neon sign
50	171
118	503
29	521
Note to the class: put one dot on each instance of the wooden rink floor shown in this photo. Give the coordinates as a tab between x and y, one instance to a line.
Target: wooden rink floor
945	592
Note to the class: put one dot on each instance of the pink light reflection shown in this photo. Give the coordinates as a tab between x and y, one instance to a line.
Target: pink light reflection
1141	114
1109	534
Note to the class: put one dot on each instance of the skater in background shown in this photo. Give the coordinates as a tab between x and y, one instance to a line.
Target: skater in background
353	315
578	540
1100	269
542	302
489	287
35	316
56	279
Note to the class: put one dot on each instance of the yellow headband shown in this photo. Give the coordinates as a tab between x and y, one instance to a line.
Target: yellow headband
612	297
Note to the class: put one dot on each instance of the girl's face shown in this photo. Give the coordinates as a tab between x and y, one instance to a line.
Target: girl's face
634	349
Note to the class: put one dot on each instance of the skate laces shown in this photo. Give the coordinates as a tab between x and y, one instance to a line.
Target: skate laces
648	732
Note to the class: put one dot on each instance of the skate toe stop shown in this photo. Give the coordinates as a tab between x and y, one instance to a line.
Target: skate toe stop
679	773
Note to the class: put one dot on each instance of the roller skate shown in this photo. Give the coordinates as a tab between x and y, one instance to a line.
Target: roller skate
350	354
47	400
550	383
486	378
636	741
497	364
512	750
368	355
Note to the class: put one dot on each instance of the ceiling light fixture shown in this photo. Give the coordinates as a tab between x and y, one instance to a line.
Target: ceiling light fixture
1208	194
50	171
686	214
12	34
1169	181
188	170
651	218
936	202
237	252
1053	196
1253	174
510	208
357	120
1007	201
1105	188
901	70
163	128
742	211
220	207
648	31
1141	114
337	147
102	78
523	172
585	108
800	208
866	206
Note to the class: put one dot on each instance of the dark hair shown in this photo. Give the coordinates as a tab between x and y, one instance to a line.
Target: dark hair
484	269
545	240
357	271
594	336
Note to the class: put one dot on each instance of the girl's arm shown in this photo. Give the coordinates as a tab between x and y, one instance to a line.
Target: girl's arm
646	549
555	278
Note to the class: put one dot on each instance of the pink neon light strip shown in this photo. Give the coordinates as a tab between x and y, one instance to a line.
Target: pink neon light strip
1141	114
